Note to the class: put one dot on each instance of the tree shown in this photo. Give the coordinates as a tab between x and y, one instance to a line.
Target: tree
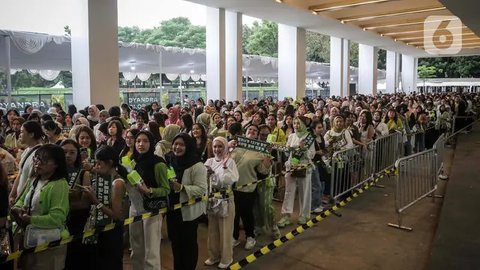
263	39
176	32
318	47
425	72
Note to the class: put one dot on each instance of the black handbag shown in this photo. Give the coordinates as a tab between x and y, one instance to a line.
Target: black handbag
156	203
299	172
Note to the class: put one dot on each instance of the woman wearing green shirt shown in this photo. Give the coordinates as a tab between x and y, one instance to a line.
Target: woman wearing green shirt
145	235
44	204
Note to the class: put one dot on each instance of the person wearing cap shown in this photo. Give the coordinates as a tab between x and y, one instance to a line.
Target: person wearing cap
299	176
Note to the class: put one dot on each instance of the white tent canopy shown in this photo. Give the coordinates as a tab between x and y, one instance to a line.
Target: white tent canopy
37	51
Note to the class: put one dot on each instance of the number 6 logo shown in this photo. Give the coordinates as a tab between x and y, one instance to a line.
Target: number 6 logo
442	35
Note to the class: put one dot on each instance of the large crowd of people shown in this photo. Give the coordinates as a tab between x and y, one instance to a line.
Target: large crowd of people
77	170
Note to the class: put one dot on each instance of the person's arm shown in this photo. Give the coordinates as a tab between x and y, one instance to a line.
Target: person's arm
349	140
59	205
161	178
84	202
370	133
199	181
230	173
282	139
13	193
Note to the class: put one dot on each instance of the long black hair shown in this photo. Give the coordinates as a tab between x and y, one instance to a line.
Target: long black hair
108	153
78	159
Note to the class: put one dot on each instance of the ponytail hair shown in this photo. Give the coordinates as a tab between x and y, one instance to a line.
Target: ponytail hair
108	153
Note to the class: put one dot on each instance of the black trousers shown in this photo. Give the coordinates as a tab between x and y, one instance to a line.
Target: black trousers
183	236
244	202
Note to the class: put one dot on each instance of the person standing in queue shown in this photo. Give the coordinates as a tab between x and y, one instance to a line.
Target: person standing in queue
190	183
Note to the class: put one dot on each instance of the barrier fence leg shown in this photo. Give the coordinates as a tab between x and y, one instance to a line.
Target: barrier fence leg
399	225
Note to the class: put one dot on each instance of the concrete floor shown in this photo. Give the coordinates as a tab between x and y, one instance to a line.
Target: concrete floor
360	239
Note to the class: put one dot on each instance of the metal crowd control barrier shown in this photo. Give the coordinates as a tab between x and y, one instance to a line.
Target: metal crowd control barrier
351	168
387	150
346	171
416	179
439	145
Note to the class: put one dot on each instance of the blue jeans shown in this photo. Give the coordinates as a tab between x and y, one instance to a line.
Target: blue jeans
317	187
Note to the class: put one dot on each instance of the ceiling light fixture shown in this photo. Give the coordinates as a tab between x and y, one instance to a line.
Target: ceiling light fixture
391	14
279	1
324	8
421	37
418	31
373	27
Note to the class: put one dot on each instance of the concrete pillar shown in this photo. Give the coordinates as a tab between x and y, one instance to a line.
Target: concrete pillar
339	67
95	53
409	73
215	53
367	69
8	61
393	71
233	60
291	62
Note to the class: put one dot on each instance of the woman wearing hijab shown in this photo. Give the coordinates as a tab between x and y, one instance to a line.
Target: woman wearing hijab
145	236
93	114
190	183
165	146
173	116
204	120
222	172
301	177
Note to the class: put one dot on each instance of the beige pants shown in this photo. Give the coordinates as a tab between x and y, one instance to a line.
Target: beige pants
220	234
51	259
145	237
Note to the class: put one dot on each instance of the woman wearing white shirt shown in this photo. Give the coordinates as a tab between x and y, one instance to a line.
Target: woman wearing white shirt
381	129
31	135
222	172
301	178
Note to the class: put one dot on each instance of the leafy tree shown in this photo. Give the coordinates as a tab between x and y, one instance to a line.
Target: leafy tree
318	47
176	32
425	72
263	39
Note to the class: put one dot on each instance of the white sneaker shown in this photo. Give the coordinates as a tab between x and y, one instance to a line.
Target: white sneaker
235	242
250	243
443	176
210	262
317	210
224	265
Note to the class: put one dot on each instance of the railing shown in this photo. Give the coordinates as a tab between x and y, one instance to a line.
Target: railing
417	175
416	178
351	168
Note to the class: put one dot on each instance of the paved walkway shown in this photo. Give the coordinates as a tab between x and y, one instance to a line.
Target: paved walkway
457	242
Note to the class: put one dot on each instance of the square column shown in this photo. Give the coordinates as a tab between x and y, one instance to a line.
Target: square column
95	53
215	53
367	69
409	73
393	71
339	67
291	62
233	60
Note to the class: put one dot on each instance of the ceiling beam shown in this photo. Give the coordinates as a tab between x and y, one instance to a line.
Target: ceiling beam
422	30
389	14
421	37
343	5
399	23
465	40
